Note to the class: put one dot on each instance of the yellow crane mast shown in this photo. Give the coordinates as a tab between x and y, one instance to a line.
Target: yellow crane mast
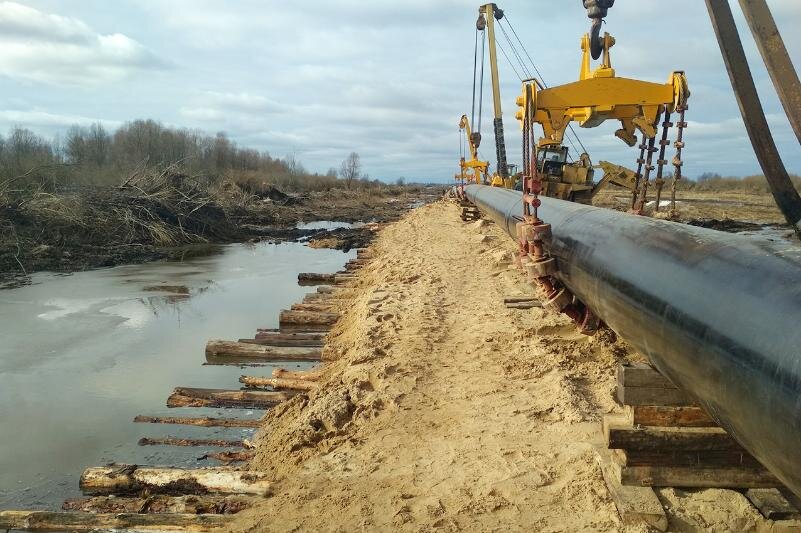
473	170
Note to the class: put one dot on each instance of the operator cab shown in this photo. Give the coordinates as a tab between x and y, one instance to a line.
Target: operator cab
551	160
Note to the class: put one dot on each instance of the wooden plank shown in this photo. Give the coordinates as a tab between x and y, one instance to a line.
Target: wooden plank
128	479
772	504
702	459
653	396
658	415
642	375
159	503
670	439
695	477
200	421
524	305
220	398
222	348
61	521
519	299
635	505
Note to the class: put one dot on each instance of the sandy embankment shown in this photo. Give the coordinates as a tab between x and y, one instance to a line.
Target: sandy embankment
442	409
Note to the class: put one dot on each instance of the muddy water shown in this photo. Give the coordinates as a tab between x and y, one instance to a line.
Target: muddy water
81	355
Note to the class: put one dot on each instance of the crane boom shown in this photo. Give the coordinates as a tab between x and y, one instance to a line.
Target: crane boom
488	14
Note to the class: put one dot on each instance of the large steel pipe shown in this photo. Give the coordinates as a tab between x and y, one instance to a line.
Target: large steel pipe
718	314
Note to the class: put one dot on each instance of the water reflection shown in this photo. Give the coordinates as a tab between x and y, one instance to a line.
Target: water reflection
83	354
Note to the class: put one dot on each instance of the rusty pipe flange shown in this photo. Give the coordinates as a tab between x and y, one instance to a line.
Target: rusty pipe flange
535	232
558	300
590	324
540	268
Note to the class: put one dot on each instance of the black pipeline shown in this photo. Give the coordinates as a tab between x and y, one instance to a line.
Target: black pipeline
718	314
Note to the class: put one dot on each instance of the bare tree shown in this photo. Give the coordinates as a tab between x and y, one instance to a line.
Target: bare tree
351	169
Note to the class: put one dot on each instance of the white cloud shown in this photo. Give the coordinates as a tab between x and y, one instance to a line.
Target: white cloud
43	47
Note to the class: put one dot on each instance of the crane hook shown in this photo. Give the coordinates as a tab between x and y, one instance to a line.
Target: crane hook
597	10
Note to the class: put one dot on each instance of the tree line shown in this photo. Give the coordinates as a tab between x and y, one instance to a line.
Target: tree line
93	155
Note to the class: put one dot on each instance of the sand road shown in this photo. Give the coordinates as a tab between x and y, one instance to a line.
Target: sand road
443	410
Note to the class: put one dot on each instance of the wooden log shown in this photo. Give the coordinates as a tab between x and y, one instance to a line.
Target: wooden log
316	307
175	441
344	279
200	421
220	398
773	504
364	253
310	375
657	415
694	477
128	479
229	457
296	336
312	278
307	320
160	503
66	521
635	505
221	348
327	289
298	343
670	439
278	383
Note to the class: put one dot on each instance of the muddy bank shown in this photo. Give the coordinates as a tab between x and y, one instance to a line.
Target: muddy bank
171	217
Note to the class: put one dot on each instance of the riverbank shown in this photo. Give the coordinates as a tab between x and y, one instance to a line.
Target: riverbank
441	408
172	216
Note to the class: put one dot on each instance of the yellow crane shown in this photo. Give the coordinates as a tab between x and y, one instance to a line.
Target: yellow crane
597	96
473	170
487	15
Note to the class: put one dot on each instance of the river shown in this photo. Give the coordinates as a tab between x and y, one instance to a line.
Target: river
82	354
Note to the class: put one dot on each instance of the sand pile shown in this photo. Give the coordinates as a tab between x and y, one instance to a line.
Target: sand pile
442	409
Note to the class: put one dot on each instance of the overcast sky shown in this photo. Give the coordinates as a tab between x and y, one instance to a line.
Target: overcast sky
387	79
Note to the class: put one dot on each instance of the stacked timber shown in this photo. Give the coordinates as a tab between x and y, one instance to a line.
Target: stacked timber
469	211
666	440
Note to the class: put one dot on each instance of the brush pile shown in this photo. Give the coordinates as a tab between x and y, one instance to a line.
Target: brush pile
152	209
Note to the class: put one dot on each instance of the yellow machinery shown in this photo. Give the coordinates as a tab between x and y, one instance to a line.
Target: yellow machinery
474	170
597	96
487	15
